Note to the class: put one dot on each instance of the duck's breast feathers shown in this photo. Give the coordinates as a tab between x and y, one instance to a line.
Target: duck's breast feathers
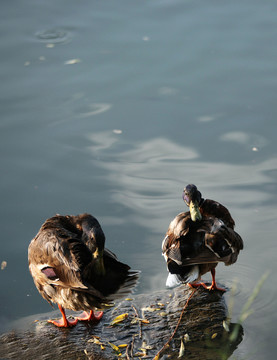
211	208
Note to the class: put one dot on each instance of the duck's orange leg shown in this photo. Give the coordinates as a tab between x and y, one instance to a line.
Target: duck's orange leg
90	316
197	285
63	321
213	285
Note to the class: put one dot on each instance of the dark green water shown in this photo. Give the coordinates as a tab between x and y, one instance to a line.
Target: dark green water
111	107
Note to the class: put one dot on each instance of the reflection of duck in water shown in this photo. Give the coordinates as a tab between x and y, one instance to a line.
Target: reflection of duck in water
71	267
196	241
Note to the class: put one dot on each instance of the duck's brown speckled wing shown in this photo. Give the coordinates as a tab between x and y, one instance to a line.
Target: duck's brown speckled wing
175	237
178	228
220	240
64	262
57	258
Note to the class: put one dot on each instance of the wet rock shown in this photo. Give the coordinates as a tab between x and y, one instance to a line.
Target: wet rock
151	321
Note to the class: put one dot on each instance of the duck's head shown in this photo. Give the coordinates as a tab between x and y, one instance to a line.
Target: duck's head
192	197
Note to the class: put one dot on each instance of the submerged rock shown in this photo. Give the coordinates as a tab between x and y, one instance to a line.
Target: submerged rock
147	324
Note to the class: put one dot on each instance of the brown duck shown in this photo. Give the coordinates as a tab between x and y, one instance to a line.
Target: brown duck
197	240
71	267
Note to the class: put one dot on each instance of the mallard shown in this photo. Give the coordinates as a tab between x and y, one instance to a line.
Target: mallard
72	268
197	240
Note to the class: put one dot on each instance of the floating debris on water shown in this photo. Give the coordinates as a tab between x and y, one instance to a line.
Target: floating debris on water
4	264
117	131
72	61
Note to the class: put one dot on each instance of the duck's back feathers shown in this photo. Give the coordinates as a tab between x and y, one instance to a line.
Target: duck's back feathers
212	208
221	240
65	259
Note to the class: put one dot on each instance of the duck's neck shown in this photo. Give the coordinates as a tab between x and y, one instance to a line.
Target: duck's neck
195	211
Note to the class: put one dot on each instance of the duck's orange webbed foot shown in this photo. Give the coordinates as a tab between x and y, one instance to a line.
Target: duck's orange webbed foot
63	322
90	316
213	285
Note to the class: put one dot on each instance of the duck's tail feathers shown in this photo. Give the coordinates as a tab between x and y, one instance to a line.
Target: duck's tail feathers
192	275
174	280
126	287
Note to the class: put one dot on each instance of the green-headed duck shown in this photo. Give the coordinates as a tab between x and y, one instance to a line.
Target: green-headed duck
197	240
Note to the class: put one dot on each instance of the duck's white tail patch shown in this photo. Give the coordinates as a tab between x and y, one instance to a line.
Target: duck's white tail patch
172	281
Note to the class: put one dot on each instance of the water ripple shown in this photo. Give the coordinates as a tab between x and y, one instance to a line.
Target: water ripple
163	167
96	108
255	141
54	35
